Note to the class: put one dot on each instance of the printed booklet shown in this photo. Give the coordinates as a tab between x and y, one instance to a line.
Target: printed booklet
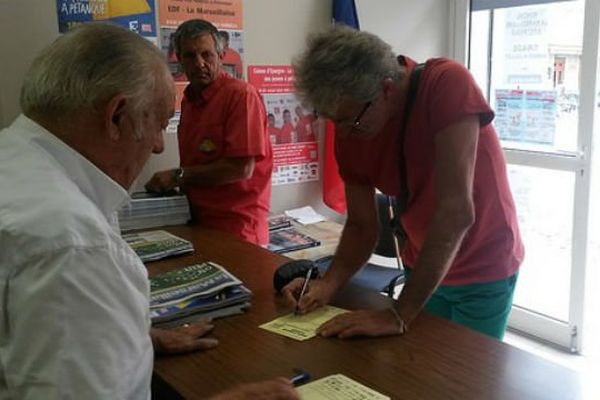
154	245
203	290
289	239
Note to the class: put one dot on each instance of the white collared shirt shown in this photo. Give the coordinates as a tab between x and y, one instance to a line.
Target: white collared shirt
74	319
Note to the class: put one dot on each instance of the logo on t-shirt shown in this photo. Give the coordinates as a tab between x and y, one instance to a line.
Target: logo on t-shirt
207	146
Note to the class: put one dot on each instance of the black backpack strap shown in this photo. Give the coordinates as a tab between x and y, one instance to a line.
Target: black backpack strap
402	200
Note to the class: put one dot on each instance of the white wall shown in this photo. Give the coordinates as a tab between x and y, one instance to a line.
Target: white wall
274	31
415	28
26	26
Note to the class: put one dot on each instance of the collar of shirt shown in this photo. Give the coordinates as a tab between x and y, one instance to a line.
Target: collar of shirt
93	183
209	91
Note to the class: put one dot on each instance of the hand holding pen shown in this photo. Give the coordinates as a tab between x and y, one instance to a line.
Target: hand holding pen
303	290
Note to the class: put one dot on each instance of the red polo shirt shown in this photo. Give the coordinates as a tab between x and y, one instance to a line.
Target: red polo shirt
229	120
492	248
304	129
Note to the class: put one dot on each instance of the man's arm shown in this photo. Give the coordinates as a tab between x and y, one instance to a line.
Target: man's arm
221	172
356	245
455	152
455	156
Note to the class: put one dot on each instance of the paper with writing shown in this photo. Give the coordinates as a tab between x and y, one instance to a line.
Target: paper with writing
302	327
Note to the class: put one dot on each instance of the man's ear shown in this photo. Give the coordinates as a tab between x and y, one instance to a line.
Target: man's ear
115	113
388	87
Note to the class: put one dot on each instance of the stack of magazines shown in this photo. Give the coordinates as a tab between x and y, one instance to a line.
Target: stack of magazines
150	210
205	290
154	245
289	239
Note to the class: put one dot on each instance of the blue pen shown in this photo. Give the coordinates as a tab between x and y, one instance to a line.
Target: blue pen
300	378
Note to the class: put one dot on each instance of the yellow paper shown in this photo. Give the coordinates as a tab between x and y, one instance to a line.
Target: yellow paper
338	387
119	8
302	327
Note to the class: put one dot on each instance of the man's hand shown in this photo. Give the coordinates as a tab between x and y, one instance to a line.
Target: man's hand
317	294
162	181
183	339
361	323
275	389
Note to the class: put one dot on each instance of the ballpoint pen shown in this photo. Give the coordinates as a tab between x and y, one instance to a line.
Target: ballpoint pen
304	286
300	378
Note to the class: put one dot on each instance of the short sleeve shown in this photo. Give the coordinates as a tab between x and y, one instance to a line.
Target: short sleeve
246	125
453	94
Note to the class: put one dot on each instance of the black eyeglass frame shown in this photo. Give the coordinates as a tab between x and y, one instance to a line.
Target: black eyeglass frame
359	116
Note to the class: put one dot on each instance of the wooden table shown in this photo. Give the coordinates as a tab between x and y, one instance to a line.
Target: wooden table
435	360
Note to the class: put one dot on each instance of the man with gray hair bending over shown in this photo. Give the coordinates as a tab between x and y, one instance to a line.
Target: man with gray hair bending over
423	134
74	305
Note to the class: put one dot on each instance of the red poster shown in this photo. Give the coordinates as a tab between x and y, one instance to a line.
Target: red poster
292	128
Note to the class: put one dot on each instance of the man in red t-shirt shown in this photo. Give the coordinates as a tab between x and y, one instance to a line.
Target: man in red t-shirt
463	247
286	132
304	126
225	151
231	58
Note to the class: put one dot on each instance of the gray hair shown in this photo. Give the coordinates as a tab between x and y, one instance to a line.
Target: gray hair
193	28
343	63
86	67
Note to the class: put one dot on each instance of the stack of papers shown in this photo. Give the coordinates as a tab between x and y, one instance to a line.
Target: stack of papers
205	290
149	210
305	215
154	245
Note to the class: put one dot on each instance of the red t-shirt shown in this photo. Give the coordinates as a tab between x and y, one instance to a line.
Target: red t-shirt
304	130
285	133
232	57
229	120
492	248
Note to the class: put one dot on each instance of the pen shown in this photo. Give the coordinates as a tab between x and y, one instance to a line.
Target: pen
304	286
300	378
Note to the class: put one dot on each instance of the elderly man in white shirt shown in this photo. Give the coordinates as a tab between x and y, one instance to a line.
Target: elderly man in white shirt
74	315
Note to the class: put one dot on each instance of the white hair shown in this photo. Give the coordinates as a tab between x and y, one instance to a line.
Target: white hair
83	69
343	63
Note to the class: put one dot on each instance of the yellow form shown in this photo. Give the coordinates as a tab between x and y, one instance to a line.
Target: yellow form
302	327
338	387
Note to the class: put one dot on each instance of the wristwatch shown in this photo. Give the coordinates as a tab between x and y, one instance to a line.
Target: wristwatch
179	172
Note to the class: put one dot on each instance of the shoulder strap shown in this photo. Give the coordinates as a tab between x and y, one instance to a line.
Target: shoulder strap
410	100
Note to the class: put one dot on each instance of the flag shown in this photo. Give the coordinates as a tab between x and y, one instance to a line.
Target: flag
344	12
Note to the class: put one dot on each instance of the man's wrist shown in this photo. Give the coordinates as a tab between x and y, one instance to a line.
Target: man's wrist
400	323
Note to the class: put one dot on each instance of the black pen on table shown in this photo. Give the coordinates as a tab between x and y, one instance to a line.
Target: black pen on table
304	286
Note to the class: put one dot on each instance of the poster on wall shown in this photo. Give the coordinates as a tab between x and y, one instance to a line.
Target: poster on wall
292	128
136	15
526	47
226	15
527	116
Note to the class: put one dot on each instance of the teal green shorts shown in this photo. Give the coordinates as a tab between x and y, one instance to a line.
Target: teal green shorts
484	307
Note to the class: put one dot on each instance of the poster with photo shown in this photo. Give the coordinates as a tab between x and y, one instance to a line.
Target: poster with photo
292	128
226	15
136	15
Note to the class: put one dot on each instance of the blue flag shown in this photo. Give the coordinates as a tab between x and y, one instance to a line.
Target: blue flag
344	12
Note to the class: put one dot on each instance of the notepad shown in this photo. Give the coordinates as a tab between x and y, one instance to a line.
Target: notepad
302	327
338	387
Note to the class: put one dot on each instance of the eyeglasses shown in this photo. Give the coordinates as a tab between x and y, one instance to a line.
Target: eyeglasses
359	116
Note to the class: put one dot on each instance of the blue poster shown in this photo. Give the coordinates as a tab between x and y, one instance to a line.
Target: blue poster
136	15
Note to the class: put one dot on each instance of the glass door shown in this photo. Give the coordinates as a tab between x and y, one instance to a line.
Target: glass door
536	61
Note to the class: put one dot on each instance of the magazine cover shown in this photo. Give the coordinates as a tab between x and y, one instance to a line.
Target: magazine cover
199	280
279	221
231	298
289	239
154	245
